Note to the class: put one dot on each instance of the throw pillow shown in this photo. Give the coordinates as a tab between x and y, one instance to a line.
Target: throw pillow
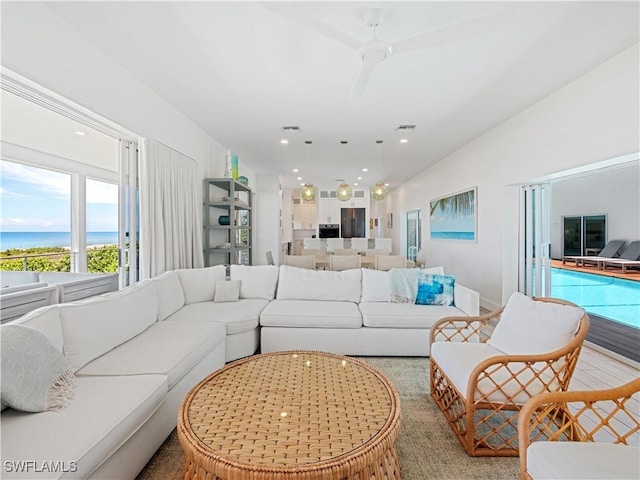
227	291
435	289
35	375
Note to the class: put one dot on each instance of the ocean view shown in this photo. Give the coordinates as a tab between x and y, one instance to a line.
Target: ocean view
10	240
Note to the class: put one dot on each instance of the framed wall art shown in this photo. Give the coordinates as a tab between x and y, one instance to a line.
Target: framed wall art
455	217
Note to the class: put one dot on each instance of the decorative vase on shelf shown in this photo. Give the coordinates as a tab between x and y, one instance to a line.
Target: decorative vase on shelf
224	220
227	165
234	167
243	180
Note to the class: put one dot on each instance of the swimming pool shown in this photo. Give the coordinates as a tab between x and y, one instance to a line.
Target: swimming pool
613	298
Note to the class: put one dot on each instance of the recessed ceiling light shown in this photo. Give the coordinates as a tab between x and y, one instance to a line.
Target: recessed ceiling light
81	133
355	184
295	170
359	178
284	141
302	184
386	184
403	140
299	178
365	169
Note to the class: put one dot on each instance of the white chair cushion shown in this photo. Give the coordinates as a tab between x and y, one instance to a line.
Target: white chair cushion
199	284
238	317
582	461
103	412
528	327
404	315
170	293
94	327
257	281
311	313
457	360
166	348
304	284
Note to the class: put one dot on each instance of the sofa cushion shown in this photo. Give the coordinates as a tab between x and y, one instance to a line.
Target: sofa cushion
103	412
458	360
199	284
238	317
167	348
94	327
304	284
46	320
257	281
529	327
227	291
404	315
311	313
582	461
9	278
375	285
170	293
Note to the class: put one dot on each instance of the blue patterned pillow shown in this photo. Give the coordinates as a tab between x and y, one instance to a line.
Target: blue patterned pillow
435	289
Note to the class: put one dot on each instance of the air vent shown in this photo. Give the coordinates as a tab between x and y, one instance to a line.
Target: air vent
324	194
405	128
358	194
291	128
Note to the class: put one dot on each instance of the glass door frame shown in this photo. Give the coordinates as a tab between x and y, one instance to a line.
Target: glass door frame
534	269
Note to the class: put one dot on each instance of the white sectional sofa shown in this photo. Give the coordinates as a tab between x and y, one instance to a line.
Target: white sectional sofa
349	312
138	351
135	353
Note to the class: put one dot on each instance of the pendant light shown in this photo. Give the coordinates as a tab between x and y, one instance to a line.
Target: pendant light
308	191
379	191
344	192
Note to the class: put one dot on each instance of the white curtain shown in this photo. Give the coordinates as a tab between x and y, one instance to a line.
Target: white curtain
170	227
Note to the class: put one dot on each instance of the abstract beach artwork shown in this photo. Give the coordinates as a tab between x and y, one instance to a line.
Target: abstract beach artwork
454	217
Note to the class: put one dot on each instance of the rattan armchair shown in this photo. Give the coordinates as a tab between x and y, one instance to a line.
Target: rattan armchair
480	388
581	434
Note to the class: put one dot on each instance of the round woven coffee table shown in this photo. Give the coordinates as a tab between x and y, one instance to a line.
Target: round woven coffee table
291	415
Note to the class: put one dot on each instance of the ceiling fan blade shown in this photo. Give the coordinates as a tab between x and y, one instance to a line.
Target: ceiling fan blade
281	8
361	82
450	34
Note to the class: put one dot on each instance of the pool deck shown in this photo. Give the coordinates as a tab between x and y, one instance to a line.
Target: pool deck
617	272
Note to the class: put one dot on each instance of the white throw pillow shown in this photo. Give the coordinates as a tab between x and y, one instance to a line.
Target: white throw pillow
94	327
199	284
375	285
170	294
258	281
529	327
304	284
227	291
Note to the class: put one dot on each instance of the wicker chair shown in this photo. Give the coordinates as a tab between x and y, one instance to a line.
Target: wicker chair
581	434
480	379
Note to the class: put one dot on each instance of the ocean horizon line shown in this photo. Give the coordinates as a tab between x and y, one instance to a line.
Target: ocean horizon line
48	239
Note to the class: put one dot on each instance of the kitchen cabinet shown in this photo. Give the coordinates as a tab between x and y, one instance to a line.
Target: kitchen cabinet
304	215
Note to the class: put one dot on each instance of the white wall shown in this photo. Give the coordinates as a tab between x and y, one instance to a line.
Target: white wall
594	118
614	193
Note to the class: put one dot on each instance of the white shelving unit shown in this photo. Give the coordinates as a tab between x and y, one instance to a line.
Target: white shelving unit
227	244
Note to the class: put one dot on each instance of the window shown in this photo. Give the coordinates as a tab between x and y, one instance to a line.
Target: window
102	226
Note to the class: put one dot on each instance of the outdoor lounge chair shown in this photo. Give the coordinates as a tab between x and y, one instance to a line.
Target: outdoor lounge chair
581	434
629	258
611	250
481	379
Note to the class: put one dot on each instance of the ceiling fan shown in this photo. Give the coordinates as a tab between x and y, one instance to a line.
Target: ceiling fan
375	50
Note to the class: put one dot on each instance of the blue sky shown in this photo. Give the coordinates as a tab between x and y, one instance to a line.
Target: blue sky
38	200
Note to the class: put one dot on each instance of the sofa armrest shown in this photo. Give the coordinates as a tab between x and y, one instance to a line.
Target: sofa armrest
466	300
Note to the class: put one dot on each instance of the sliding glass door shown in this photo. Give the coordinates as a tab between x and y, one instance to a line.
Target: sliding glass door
535	261
128	221
584	235
414	233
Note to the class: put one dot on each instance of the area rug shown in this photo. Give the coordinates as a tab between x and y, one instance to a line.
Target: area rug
427	447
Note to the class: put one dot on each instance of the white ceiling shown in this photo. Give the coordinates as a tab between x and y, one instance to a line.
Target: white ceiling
242	70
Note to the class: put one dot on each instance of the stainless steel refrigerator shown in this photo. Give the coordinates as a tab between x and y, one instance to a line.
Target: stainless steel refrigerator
352	222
